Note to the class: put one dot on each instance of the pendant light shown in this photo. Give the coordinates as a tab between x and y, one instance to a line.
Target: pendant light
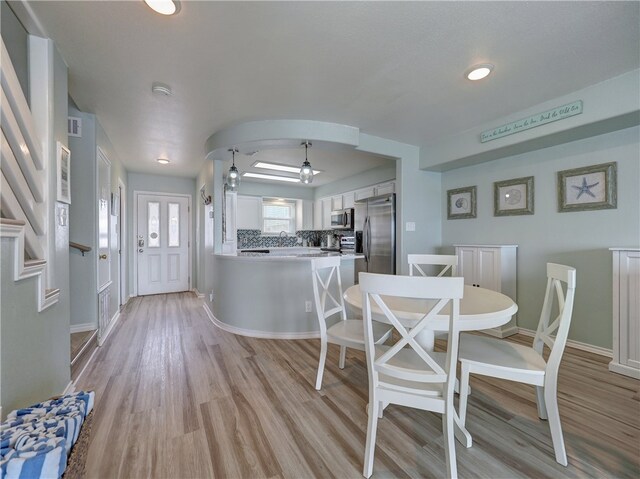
306	172
233	177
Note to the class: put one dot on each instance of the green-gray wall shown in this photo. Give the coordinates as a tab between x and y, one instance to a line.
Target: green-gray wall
15	38
579	239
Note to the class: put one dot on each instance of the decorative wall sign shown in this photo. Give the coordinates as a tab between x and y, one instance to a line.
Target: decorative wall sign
513	197
64	167
589	188
461	203
549	116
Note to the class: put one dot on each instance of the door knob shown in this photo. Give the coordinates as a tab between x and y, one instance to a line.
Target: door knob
140	250
103	256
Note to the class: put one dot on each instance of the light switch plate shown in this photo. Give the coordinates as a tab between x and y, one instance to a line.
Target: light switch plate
411	226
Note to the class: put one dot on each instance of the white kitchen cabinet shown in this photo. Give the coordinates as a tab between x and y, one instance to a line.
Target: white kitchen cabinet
326	213
304	215
626	312
492	267
385	188
336	203
249	213
364	193
317	215
348	200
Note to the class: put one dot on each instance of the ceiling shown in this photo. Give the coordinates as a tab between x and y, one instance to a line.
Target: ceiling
392	69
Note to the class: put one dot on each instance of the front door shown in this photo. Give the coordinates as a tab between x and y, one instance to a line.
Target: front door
162	243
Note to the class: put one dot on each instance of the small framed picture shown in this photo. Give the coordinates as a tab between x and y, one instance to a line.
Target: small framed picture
461	203
64	171
588	188
513	197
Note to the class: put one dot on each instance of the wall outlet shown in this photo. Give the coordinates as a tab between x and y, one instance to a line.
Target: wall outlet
411	226
307	307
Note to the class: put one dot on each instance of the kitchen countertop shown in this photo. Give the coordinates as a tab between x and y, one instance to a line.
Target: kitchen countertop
286	254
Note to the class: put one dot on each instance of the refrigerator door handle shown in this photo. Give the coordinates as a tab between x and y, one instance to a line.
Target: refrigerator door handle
365	239
368	239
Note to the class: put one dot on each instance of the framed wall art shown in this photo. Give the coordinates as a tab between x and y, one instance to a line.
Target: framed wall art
461	203
63	173
588	188
513	197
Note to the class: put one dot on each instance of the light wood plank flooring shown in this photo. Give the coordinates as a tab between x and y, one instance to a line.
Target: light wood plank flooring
78	340
179	398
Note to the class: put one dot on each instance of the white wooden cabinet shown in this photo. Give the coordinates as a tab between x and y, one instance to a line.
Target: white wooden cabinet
317	215
348	200
364	193
249	213
326	213
492	267
336	203
626	312
385	188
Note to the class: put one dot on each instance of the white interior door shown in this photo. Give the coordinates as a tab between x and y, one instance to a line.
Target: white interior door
162	244
104	197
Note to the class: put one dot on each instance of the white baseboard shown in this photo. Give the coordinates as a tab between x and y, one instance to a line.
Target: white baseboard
258	334
575	344
86	365
112	323
198	293
81	328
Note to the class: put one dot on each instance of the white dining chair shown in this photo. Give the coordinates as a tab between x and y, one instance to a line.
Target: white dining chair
449	261
327	293
515	362
405	373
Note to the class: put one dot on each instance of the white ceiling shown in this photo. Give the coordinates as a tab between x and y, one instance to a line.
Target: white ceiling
392	69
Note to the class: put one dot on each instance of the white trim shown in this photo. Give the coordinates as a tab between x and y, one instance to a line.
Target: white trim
122	238
81	328
258	334
575	344
86	365
71	387
136	193
112	323
623	369
86	345
198	293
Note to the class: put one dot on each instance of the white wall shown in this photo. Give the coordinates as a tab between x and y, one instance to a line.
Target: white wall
579	239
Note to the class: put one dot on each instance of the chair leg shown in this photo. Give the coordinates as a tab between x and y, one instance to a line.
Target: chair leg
464	392
343	355
449	442
551	400
323	357
542	408
370	445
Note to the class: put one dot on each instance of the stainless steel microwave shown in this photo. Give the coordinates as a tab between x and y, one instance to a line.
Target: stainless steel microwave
342	219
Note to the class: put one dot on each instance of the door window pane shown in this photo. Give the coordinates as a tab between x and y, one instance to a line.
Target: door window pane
174	224
153	224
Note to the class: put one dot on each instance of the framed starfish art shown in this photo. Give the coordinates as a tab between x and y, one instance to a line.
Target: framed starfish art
589	188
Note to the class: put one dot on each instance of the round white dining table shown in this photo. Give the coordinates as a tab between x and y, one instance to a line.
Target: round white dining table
480	309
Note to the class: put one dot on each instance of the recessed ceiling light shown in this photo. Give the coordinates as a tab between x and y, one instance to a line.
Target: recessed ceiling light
163	161
478	72
275	166
164	7
271	177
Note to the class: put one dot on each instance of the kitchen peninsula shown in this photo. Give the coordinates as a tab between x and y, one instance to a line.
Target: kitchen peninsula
270	295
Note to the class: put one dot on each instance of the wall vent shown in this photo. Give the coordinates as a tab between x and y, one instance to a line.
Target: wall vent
74	126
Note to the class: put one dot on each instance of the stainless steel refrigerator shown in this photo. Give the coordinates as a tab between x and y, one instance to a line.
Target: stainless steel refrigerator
375	235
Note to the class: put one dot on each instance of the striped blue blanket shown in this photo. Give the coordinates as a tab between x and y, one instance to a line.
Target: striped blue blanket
35	441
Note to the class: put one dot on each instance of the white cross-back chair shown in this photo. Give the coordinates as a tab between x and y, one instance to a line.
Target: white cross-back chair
406	373
450	263
514	362
327	293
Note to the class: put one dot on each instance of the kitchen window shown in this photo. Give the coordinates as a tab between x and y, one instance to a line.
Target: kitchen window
278	216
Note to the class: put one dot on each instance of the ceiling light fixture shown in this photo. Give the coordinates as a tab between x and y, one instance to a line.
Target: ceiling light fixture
161	88
306	172
163	161
233	177
478	72
276	166
262	176
164	7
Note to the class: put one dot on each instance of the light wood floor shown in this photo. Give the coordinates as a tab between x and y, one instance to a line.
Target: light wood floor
78	340
179	398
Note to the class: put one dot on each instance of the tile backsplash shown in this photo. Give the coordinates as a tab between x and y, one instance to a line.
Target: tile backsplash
255	239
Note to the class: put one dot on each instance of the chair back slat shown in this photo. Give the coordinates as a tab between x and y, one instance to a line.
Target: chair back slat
326	274
560	292
450	263
443	292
